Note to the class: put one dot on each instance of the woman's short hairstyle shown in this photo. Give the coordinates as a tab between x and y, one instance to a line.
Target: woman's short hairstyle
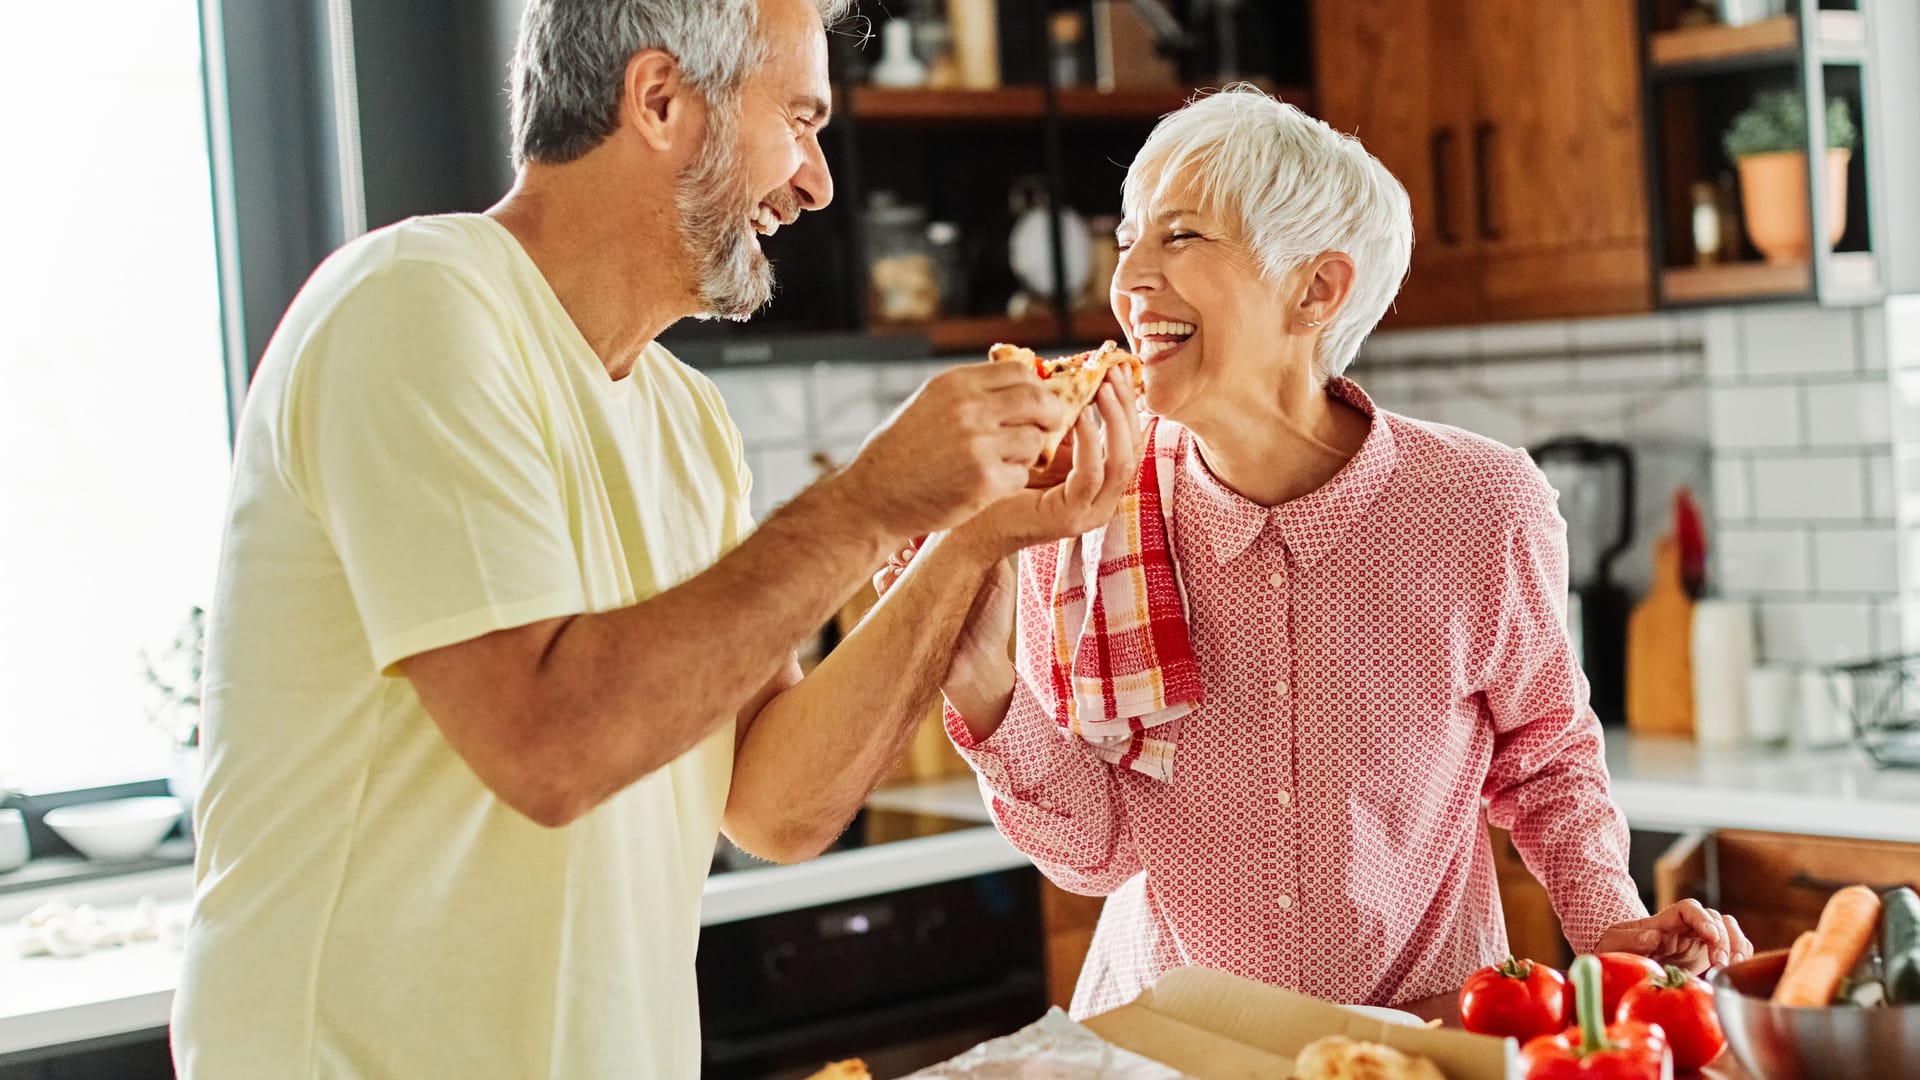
1294	188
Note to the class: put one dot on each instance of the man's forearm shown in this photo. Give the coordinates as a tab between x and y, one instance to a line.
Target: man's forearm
815	752
641	685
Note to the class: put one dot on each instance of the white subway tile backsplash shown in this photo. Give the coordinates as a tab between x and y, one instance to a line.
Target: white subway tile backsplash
1883	500
1598	416
779	475
767	404
1903	331
1809	489
1687	327
1754	417
1732	494
1849	414
846	402
1870	324
1759	561
1478	415
1857	560
1677	413
1816	631
1530	375
1798	340
1446	343
1720	341
1543	338
1656	330
1637	369
1887	619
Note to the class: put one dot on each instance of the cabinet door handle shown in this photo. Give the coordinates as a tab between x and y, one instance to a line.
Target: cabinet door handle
1440	150
1483	190
1828	886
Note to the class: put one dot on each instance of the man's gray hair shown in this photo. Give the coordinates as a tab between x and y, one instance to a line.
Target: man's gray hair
1294	188
570	64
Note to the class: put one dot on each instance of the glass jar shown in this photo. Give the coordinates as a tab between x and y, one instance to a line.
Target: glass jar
949	267
902	284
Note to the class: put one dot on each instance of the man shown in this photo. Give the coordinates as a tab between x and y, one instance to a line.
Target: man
493	658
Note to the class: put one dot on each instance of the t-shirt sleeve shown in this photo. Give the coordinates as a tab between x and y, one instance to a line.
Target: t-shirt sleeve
416	436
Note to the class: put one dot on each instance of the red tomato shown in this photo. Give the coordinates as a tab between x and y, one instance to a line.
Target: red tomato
1619	973
1519	998
1683	1006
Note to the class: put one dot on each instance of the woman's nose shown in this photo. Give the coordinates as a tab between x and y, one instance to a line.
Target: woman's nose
1135	272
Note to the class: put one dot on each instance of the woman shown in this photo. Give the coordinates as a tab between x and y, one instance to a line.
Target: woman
1373	606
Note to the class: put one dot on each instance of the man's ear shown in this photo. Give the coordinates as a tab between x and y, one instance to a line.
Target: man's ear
658	103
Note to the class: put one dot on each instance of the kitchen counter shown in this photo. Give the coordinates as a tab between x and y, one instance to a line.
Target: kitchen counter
1660	784
52	1001
1673	785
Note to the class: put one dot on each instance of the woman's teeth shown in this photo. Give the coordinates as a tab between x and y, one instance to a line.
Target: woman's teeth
764	221
1158	337
1165	329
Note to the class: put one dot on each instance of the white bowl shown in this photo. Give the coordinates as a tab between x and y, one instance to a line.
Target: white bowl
116	830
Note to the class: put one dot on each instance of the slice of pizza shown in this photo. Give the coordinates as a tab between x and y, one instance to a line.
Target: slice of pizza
852	1069
1075	380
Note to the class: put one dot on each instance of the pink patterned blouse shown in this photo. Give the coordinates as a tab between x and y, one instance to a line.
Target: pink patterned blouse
1382	658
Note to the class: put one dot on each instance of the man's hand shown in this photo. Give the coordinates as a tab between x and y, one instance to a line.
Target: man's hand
1105	454
965	441
1685	934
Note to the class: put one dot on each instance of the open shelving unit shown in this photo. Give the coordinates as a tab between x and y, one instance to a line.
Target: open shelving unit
962	155
1699	77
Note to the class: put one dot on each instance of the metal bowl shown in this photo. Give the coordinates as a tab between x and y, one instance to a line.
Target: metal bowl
1838	1043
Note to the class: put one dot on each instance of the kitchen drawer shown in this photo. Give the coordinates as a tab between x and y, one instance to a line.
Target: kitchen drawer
1775	883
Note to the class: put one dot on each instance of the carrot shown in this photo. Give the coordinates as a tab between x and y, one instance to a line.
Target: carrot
1798	953
1846	927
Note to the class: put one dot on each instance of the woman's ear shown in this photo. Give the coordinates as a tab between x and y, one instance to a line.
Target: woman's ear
1329	281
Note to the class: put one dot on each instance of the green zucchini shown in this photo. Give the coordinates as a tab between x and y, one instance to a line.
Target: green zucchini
1900	945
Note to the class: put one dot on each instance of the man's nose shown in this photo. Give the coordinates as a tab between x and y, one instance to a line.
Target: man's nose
813	183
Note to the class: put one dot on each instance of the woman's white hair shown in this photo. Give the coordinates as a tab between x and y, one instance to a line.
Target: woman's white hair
570	63
1294	188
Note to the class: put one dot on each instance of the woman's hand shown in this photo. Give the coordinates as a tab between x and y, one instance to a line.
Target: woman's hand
1686	934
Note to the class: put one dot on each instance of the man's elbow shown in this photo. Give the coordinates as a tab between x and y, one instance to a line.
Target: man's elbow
778	839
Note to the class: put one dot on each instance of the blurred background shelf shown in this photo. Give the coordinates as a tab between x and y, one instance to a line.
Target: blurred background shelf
1734	281
1768	41
1028	103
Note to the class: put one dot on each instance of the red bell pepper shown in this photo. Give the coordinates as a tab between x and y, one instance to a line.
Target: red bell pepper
1597	1050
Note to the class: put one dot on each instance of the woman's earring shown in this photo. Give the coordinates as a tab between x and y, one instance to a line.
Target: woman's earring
1311	323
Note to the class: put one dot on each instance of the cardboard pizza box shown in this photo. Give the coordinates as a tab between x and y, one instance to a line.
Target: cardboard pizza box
1221	1027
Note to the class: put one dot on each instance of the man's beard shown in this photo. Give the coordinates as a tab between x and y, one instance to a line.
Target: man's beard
736	278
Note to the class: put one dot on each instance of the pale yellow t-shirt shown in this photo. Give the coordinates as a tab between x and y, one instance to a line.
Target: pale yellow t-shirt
431	452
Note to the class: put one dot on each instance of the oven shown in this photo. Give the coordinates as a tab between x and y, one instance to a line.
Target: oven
902	979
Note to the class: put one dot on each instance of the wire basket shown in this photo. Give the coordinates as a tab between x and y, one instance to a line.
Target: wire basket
1882	697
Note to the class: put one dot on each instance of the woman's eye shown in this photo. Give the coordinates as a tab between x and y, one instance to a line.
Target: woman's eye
1179	236
1124	246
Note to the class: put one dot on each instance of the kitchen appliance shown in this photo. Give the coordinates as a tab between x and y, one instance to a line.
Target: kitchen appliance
903	979
1596	479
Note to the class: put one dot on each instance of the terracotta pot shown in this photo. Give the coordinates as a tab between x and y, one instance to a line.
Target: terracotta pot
1773	194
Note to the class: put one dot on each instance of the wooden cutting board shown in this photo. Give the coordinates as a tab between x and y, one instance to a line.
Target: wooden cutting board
1660	652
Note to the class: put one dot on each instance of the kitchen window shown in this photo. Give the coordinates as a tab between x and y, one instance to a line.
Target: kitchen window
114	413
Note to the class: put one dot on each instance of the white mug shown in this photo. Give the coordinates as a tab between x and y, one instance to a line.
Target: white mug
13	840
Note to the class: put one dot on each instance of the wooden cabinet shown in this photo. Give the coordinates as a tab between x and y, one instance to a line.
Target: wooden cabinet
1776	884
1070	920
1516	127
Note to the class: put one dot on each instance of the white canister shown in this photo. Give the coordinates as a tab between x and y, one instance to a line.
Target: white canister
1773	701
1826	707
1722	659
898	67
13	840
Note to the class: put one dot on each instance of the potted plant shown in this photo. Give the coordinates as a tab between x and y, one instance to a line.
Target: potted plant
173	685
1768	142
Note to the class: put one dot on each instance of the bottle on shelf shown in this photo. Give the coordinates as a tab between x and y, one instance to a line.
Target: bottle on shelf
976	42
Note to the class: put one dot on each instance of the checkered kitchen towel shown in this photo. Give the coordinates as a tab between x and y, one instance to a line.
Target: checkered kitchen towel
1123	663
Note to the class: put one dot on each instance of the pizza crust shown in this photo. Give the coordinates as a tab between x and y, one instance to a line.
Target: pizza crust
1075	380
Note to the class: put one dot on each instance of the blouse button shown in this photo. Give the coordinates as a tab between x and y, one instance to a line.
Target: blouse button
1286	797
1286	902
1277	579
1281	687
